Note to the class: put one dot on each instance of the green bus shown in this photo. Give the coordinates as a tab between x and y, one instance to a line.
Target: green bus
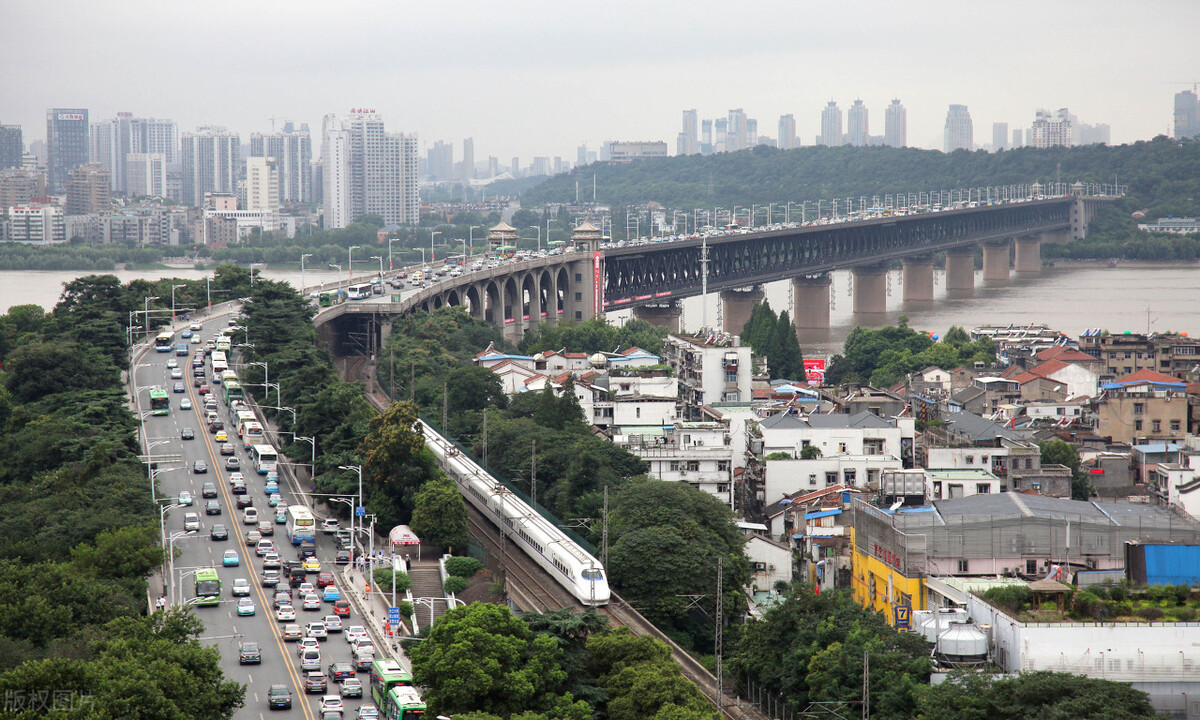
233	391
330	297
387	673
160	402
208	586
404	703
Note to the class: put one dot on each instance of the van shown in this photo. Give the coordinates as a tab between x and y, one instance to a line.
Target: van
191	521
310	659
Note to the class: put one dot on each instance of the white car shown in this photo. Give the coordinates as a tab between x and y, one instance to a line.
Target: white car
312	601
172	363
332	702
236	477
333	623
306	588
241	587
316	630
355	632
285	613
362	645
307	642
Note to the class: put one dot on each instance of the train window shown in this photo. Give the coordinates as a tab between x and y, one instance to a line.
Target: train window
592	574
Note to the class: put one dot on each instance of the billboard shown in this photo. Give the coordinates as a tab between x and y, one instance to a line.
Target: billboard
814	370
597	284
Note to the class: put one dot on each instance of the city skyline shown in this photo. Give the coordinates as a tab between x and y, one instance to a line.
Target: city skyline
502	64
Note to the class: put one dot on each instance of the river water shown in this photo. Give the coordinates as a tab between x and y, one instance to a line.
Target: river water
1068	297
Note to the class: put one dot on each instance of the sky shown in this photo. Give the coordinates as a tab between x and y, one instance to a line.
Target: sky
531	77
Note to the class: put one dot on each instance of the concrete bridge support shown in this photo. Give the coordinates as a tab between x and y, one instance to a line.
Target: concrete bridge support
736	306
666	315
996	261
918	279
960	268
385	328
810	302
1027	254
870	290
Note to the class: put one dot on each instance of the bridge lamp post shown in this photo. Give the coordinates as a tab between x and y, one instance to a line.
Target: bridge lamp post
380	259
146	312
753	213
432	257
390	241
471	235
171	556
336	267
252	266
539	235
350	263
354	514
303	257
173	287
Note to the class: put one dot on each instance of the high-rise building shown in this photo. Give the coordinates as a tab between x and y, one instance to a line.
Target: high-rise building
688	142
751	132
831	125
1085	134
581	155
468	161
211	160
89	189
787	132
113	140
42	224
1051	130
515	167
12	147
959	133
720	135
736	135
261	189
440	161
335	174
706	137
66	143
292	150
18	186
999	136
895	125
146	174
858	124
494	164
1018	139
1187	115
380	169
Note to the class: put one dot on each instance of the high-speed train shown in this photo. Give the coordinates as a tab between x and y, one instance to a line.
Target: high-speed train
570	565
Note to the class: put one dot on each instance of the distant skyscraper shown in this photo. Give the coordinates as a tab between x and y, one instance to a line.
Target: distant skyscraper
1017	139
66	143
494	165
720	135
515	168
89	189
211	162
895	125
858	125
959	133
146	174
441	161
689	137
999	136
261	190
581	155
381	171
1187	115
468	161
706	137
292	150
787	132
335	173
1051	130
12	147
751	132
736	135
831	125
113	140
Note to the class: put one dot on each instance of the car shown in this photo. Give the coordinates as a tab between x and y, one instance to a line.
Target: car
339	671
367	711
185	404
332	702
185	498
274	499
362	645
252	537
270	578
176	374
306	643
324	579
186	334
280	516
191	521
203	388
306	588
312	601
250	515
197	382
187	434
285	613
212	507
314	682
352	687
195	340
266	528
209	490
215	425
292	632
355	632
200	467
195	327
341	608
239	488
245	607
218	532
231	559
232	463
329	525
343	535
342	557
333	623
249	653
177	387
226	448
271	488
312	565
310	659
316	629
279	697
272	560
281	597
331	594
243	500
240	587
237	477
173	363
264	546
221	436
210	403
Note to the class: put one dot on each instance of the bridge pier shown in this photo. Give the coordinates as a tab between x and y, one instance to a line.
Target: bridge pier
385	328
918	279
870	290
810	302
960	268
665	315
736	307
996	261
1027	255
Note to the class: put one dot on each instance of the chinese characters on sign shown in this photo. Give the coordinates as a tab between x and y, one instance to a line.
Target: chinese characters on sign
887	556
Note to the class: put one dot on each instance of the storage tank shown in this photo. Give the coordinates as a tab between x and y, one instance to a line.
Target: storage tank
962	643
939	621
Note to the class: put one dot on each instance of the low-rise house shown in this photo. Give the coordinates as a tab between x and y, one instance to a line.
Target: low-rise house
1144	407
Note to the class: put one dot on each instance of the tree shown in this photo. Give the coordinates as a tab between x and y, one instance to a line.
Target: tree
440	514
640	679
1032	696
395	462
810	452
1059	452
48	368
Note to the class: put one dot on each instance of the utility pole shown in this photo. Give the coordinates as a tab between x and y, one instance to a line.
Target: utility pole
703	283
533	474
718	635
866	694
604	533
485	416
445	405
412	382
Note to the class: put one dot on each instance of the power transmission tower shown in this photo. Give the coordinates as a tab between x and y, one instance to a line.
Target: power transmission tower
866	695
533	474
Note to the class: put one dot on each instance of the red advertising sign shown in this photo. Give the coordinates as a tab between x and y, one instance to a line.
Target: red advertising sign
814	370
597	284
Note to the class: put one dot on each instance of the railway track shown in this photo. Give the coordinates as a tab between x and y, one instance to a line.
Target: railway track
532	587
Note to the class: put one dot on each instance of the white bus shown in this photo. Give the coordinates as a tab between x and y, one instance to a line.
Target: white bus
241	417
301	525
252	434
362	291
165	342
265	458
219	363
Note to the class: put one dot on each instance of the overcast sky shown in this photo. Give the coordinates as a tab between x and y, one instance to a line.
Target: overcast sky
533	77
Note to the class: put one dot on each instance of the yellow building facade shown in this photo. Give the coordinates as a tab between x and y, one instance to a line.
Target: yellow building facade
878	581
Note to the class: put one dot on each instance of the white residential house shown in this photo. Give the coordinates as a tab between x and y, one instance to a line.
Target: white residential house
862	433
945	484
770	562
709	369
782	478
696	453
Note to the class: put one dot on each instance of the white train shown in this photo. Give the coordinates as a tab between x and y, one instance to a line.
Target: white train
570	565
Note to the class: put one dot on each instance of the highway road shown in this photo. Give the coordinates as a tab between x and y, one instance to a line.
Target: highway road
224	629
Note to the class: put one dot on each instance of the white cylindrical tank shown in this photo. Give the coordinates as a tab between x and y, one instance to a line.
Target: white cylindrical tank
962	642
939	621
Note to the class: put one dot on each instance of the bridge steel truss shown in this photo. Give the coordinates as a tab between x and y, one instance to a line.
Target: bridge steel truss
659	272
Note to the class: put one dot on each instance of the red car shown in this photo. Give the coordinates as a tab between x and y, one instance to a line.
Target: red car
325	578
203	390
341	608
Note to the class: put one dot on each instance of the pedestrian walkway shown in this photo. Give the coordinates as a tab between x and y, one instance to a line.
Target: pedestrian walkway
426	576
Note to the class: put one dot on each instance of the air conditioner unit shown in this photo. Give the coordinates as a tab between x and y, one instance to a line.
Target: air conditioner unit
683	473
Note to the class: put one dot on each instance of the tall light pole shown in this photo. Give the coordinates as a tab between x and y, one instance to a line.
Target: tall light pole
208	289
173	301
303	285
539	236
432	256
390	241
146	313
162	518
471	235
350	263
266	375
171	557
380	259
353	515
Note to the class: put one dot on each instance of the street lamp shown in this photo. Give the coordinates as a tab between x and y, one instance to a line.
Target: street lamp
173	287
303	257
146	312
432	256
380	259
162	521
390	241
338	268
171	557
350	262
252	266
539	236
471	234
354	514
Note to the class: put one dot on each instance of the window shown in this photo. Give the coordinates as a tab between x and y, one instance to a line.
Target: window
812	479
850	476
674	465
1137	424
831	478
1174	426
970	459
637	412
693	466
982	488
731	377
1028	463
1128	355
842	447
962	566
1156	425
579	278
1031	567
804	444
723	465
1139	408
